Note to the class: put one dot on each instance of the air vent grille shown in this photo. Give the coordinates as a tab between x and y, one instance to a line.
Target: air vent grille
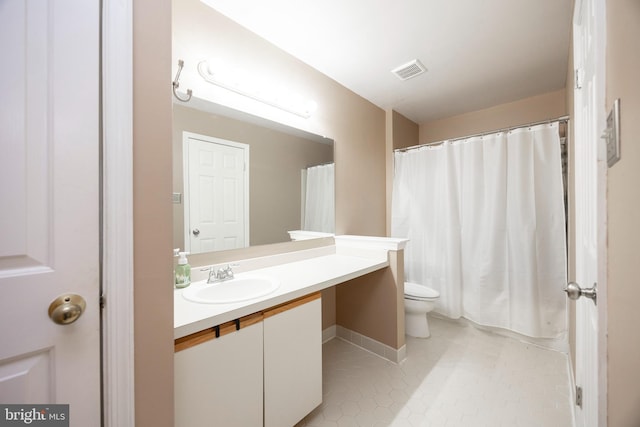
409	70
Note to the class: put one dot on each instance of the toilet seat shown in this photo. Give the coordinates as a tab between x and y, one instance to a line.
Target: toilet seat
418	292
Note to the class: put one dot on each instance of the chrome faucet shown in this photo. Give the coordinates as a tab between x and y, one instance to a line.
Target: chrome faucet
221	274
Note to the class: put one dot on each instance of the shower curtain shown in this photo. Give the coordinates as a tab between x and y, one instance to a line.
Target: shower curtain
486	223
319	205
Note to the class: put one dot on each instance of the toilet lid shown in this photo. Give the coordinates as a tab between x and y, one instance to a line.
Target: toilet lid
419	291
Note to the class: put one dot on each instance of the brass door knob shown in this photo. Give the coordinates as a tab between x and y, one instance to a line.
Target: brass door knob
67	309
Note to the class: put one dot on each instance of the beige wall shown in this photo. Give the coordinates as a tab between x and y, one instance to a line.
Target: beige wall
356	125
377	318
623	63
153	290
372	307
405	132
541	107
276	160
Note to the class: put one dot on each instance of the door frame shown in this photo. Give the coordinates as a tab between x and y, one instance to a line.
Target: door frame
603	386
186	136
117	213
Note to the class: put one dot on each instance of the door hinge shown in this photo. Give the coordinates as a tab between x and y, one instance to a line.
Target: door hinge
103	301
579	396
579	76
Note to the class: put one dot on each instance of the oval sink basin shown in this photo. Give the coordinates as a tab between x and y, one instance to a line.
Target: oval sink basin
241	288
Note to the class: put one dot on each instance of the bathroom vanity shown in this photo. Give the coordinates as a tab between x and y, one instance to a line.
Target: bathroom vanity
258	362
267	363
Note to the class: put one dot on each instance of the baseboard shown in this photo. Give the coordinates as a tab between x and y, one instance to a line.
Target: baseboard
328	334
371	345
572	389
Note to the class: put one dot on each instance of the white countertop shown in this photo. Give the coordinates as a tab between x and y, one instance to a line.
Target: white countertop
296	279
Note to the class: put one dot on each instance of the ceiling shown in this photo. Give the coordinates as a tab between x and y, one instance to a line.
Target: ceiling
477	53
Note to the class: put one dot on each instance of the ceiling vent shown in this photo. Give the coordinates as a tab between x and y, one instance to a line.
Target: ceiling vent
409	70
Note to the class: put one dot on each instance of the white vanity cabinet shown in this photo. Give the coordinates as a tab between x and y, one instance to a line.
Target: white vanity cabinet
219	381
292	361
266	373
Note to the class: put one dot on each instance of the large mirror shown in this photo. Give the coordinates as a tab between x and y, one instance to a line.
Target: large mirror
239	180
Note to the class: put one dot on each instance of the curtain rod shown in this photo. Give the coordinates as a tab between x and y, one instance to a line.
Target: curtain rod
541	122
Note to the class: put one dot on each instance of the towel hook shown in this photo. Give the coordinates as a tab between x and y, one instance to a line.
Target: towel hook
176	85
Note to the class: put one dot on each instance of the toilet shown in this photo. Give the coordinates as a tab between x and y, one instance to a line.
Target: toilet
418	301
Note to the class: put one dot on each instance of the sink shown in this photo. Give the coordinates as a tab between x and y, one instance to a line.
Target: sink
240	288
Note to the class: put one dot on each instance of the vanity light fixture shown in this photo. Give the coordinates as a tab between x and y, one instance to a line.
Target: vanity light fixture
292	104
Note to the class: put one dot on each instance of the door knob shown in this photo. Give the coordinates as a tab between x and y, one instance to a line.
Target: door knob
66	309
196	232
574	291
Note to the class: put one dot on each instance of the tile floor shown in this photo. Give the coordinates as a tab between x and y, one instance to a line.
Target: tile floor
461	376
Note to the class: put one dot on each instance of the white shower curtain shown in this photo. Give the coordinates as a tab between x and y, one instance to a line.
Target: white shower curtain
486	223
319	203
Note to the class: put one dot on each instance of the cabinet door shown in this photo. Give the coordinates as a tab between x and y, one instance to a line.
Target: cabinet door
219	382
292	361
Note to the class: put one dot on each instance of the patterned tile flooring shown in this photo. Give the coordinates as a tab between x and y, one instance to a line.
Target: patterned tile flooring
460	377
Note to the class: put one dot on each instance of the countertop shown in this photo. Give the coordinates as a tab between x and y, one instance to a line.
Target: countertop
297	278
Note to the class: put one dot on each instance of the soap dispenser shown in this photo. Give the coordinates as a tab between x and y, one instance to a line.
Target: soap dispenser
176	254
183	271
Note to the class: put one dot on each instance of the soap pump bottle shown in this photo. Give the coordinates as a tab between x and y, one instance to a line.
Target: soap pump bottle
176	252
183	271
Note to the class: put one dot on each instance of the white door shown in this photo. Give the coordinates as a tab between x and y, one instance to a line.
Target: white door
590	226
49	203
216	194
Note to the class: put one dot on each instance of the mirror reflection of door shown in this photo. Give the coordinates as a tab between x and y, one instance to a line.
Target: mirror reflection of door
216	179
